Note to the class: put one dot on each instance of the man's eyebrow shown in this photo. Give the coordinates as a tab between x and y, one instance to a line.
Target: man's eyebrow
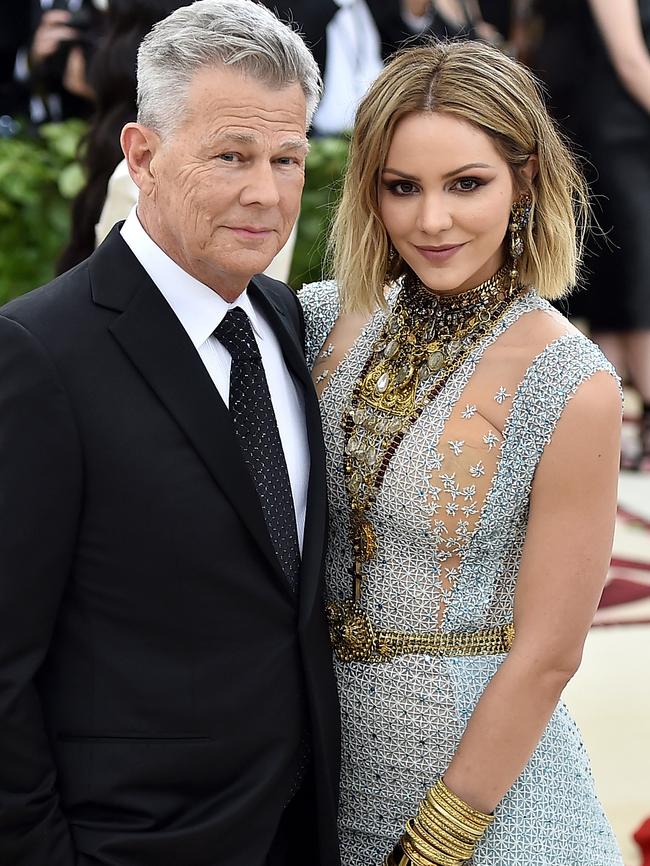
235	137
456	171
248	138
295	144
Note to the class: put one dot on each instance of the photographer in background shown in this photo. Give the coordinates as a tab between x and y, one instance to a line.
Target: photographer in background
57	60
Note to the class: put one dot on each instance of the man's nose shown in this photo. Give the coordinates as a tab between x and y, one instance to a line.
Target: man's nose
261	186
434	215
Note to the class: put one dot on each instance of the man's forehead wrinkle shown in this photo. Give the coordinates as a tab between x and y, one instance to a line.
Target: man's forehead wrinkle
286	138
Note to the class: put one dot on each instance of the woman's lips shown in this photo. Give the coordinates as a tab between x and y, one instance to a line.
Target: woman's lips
439	254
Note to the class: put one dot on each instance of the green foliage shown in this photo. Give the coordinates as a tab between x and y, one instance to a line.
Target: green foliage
325	167
39	175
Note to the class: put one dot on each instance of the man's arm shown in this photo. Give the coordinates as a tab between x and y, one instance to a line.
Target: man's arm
40	493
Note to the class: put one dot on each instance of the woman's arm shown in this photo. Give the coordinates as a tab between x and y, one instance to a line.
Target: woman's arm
620	27
564	563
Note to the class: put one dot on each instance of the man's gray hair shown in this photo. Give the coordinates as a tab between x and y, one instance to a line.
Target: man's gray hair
238	33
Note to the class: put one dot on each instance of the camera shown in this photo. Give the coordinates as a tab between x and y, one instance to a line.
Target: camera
86	22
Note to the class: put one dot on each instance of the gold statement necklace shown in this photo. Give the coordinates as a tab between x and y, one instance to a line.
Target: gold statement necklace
425	339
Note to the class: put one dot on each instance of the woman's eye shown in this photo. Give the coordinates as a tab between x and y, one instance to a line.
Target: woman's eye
402	187
467	184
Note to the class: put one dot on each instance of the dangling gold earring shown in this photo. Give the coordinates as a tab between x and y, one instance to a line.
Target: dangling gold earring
519	219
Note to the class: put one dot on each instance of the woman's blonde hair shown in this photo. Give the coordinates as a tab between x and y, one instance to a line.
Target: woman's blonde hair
481	85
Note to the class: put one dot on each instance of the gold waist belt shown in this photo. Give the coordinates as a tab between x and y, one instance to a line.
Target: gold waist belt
355	639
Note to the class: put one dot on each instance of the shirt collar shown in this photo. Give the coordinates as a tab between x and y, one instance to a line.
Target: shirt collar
198	308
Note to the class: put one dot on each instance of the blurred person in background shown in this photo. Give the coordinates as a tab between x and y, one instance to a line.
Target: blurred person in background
353	59
615	130
360	36
55	65
14	32
449	19
112	77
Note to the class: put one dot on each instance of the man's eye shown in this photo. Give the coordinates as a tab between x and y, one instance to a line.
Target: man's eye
229	157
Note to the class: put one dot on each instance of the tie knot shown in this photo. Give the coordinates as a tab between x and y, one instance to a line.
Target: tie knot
235	333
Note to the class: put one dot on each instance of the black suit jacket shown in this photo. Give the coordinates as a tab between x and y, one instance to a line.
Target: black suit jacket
156	670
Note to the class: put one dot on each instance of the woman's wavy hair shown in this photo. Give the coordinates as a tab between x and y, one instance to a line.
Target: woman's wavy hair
112	75
482	86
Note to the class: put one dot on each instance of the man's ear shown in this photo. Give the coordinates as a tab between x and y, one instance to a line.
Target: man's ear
139	144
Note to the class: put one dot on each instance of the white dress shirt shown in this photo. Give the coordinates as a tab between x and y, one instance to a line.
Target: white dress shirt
200	310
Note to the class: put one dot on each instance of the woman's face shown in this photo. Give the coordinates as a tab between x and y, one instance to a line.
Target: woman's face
445	199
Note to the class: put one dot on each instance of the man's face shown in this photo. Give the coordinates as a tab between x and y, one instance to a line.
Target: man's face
226	185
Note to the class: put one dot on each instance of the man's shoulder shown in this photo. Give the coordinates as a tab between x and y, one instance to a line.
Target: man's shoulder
52	302
276	290
281	296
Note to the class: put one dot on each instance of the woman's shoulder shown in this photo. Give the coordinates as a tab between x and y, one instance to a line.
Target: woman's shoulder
548	339
565	367
320	304
319	296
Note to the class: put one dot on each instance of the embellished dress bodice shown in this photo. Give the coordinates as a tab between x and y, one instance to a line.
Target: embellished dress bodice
450	521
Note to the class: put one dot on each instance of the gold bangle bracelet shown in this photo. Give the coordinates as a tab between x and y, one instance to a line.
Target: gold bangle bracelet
435	849
434	858
434	826
397	857
436	813
468	819
438	835
460	805
440	811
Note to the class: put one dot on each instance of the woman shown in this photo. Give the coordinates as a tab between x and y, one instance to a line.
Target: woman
473	453
618	142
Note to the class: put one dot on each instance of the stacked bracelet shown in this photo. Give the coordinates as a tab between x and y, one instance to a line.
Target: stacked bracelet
444	832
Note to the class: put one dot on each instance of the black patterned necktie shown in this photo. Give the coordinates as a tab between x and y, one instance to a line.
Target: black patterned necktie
256	427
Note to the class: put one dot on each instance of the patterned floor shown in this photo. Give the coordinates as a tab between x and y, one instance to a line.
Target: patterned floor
610	695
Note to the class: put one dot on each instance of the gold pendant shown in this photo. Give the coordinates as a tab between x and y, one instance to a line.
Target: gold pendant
380	390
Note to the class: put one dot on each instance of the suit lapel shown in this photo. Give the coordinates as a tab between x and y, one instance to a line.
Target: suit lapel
157	345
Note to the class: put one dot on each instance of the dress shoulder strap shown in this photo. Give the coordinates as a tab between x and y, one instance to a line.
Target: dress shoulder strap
320	303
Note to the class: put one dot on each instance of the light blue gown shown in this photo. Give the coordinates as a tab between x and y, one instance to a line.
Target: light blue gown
451	518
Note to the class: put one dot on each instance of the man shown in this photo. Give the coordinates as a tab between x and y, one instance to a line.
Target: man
166	691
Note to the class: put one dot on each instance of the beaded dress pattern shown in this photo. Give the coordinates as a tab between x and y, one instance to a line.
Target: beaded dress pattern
450	519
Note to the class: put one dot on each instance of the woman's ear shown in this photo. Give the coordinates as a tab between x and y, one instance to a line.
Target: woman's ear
530	168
